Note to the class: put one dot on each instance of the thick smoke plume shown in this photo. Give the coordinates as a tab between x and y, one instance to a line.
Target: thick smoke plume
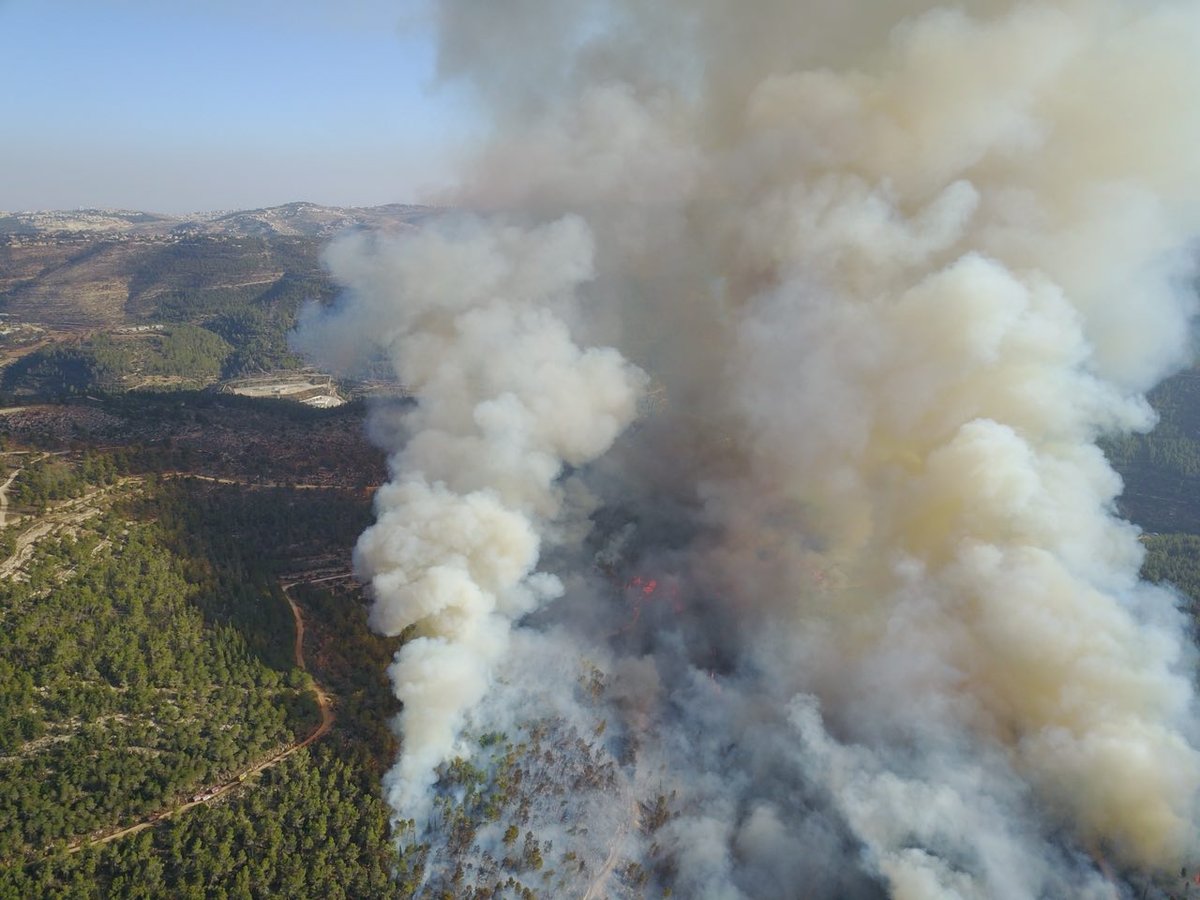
895	269
465	312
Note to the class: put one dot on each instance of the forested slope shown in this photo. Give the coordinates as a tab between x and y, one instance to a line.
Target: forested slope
146	654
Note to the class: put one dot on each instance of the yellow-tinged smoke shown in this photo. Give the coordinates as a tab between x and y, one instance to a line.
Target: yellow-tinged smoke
915	259
911	261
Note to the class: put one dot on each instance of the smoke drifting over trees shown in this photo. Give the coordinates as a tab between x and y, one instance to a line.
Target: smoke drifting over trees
895	267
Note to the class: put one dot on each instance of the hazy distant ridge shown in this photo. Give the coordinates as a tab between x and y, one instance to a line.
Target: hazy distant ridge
110	267
299	219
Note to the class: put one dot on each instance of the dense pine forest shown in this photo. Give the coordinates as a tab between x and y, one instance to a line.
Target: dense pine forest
147	660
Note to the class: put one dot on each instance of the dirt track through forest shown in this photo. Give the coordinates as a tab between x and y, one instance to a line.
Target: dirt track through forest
208	795
614	854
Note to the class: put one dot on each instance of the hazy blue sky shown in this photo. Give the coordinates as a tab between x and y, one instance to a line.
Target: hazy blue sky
182	105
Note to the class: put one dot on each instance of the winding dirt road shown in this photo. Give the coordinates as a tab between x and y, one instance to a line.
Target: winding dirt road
614	854
324	698
601	879
328	717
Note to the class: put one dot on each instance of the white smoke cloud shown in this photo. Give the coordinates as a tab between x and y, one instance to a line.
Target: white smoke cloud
897	267
466	313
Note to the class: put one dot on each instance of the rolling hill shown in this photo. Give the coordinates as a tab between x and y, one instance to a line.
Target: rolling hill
116	267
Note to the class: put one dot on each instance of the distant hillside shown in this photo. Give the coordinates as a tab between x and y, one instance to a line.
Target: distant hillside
111	300
298	219
116	267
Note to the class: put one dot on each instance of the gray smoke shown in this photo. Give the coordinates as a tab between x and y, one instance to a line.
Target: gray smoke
893	269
